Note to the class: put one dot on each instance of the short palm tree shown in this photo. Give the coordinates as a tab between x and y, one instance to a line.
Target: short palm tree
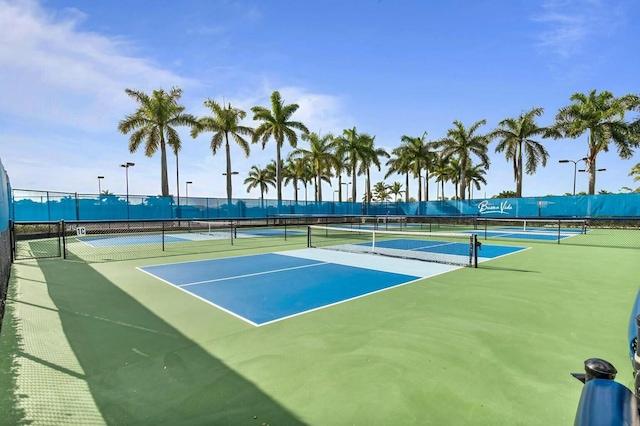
601	116
277	123
320	155
224	122
261	179
462	143
381	192
475	177
515	138
395	190
154	124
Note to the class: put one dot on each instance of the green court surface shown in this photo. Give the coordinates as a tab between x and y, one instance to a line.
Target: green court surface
102	343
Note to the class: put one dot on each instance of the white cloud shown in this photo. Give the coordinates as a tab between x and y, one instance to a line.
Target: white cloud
570	24
64	75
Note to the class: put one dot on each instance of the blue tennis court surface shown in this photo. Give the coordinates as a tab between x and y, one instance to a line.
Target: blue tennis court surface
269	287
264	288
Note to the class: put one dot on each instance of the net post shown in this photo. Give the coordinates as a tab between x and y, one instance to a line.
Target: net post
231	230
559	224
476	247
373	242
308	236
163	234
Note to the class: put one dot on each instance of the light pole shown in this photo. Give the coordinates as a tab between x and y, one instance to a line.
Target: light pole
334	195
99	187
346	183
186	190
587	171
575	166
229	195
126	173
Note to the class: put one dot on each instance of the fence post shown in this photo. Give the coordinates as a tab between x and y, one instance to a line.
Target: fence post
64	239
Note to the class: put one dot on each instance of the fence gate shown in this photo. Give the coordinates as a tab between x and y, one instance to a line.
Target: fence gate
36	240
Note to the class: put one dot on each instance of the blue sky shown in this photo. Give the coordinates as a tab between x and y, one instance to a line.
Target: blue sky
390	68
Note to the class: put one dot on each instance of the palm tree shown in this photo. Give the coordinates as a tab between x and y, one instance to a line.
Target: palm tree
475	176
400	163
355	147
417	151
601	116
293	171
381	191
462	143
515	139
635	171
396	190
153	123
224	121
320	155
259	178
341	164
454	171
277	123
371	158
441	171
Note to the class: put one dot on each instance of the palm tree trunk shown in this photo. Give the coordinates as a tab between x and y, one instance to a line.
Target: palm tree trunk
406	192
419	188
319	185
339	187
426	184
463	180
228	152
519	182
353	182
278	173
591	163
163	166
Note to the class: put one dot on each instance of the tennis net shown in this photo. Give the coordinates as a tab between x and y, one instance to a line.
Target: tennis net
450	248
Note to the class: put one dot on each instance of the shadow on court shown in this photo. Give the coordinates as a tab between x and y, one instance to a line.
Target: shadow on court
140	370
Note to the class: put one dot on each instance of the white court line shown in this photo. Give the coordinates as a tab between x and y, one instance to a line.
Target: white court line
251	275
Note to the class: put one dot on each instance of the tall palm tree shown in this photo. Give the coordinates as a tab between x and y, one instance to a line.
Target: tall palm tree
153	123
259	178
370	158
351	145
601	116
417	151
462	143
222	122
341	164
320	155
277	123
515	139
400	163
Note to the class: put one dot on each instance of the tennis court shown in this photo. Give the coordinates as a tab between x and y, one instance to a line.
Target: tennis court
262	332
265	288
